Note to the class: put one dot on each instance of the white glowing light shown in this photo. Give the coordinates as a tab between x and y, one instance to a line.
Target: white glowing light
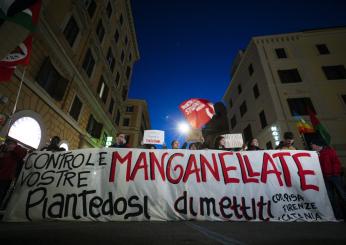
274	128
276	138
65	146
275	133
183	128
26	130
277	142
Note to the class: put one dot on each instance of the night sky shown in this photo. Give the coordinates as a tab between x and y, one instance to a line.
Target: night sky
187	46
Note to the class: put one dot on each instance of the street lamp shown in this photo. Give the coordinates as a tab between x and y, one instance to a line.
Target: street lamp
183	128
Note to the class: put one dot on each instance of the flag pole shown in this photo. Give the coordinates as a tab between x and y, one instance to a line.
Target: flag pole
18	94
15	103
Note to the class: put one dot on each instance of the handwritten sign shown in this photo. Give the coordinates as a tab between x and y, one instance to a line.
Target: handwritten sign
142	185
195	135
154	137
233	140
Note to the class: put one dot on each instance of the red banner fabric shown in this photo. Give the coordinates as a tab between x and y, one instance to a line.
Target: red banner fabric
197	111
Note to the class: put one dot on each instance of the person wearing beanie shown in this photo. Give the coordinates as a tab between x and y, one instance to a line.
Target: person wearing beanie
331	170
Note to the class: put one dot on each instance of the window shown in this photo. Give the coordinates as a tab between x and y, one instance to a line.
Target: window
129	108
51	81
280	53
263	119
300	106
250	68
233	121
255	90
230	103
116	36
100	31
126	40
21	124
122	56
88	63
94	128
124	93
128	72
243	109
90	6
269	145
322	49
117	79
110	59
239	89
334	72
117	118
109	9
126	122
76	108
343	96
247	132
111	106
121	19
71	31
130	57
289	76
102	90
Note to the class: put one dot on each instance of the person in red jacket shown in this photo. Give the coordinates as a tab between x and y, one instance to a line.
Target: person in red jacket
331	170
11	154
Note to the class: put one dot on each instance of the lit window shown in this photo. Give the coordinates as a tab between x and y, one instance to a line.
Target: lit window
26	130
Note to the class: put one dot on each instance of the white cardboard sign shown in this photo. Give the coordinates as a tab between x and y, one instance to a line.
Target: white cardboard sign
154	137
233	140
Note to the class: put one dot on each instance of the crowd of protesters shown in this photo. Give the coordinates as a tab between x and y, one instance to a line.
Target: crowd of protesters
12	155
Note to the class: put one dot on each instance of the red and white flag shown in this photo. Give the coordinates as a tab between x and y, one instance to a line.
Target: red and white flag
197	112
21	55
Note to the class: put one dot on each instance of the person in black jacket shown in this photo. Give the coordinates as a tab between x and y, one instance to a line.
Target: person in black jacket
253	145
53	145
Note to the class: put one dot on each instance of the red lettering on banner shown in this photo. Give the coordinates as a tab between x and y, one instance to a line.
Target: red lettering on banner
115	158
225	168
265	172
141	163
247	169
192	169
302	172
213	170
169	168
160	166
285	169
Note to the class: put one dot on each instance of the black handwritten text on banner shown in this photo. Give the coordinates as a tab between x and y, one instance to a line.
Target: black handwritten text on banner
135	184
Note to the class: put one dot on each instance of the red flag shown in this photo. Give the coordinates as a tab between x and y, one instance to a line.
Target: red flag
21	55
197	111
6	72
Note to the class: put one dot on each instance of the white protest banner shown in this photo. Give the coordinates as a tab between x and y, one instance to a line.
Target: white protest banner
113	184
154	137
233	140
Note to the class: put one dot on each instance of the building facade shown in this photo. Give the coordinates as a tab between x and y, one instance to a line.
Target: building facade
278	76
135	120
79	75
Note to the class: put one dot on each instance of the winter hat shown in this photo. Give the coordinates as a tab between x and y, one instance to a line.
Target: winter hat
318	141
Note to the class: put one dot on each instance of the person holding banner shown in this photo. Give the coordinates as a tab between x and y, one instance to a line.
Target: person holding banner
253	145
175	144
53	145
120	141
288	142
11	159
220	143
331	170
